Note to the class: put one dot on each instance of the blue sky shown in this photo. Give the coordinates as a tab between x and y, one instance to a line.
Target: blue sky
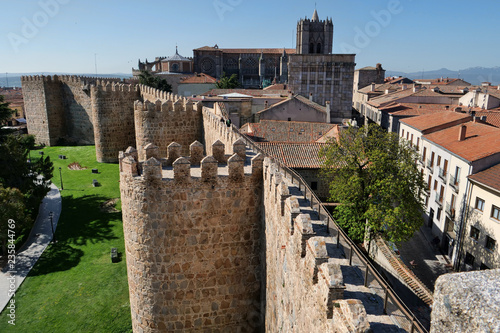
403	35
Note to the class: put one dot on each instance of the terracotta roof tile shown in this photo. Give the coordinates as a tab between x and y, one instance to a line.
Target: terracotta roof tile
492	117
489	177
199	78
288	131
426	123
481	140
294	155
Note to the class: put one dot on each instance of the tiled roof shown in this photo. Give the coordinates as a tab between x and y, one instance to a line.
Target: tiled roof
481	140
492	117
390	97
199	78
294	155
441	81
310	103
265	51
288	131
277	86
489	177
416	109
436	119
251	92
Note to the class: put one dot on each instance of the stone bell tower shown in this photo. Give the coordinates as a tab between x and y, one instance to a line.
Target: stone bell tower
314	36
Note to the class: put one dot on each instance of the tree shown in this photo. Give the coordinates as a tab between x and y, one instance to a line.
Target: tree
12	209
227	82
374	178
5	114
154	81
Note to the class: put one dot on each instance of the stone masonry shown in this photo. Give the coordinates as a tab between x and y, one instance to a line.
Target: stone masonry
326	77
192	237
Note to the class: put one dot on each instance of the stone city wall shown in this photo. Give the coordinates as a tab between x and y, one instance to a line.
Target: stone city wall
192	237
59	109
304	287
113	118
163	118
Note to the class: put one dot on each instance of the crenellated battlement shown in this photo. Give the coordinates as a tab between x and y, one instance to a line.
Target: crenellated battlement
68	79
111	86
195	167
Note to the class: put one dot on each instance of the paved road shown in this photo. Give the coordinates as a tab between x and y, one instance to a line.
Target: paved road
28	255
430	262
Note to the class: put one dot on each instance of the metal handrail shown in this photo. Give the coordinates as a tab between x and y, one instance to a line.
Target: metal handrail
332	224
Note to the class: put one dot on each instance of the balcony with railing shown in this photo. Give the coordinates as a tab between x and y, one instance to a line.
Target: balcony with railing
442	174
450	210
454	182
439	199
430	166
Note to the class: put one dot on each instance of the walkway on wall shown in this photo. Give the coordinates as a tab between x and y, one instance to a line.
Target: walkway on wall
372	294
30	252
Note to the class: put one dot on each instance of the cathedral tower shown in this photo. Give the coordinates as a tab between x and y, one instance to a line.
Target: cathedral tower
314	36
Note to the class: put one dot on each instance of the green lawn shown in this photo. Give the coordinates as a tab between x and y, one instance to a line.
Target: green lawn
74	287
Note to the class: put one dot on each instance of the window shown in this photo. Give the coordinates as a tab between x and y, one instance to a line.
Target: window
474	233
314	186
495	212
429	182
289	119
438	215
435	185
483	266
469	259
432	160
402	133
490	243
479	204
445	167
424	153
418	143
438	163
411	140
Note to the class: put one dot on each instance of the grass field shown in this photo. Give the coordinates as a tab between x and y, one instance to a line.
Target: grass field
74	287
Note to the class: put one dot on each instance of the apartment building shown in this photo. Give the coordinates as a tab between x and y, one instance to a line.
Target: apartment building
449	156
481	233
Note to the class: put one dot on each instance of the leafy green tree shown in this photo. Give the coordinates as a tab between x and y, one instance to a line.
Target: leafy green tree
12	209
5	114
154	81
374	178
227	82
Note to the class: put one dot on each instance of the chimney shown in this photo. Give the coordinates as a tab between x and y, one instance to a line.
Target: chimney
386	91
483	118
266	104
327	109
311	96
461	134
414	87
447	107
404	87
458	109
372	87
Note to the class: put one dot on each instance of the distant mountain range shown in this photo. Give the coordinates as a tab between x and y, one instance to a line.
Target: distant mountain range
14	79
473	75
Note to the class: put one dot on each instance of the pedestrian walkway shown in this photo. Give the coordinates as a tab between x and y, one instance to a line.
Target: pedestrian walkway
424	258
37	242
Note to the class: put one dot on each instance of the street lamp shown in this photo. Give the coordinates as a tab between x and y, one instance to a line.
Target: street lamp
51	215
60	176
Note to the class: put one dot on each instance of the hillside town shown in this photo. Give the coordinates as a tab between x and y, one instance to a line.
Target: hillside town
226	212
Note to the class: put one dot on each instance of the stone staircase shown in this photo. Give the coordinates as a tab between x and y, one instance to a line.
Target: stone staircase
406	274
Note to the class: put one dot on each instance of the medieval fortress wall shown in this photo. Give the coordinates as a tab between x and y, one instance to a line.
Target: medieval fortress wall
217	238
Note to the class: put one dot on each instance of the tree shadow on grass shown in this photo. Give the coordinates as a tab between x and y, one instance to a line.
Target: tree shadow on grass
57	257
82	221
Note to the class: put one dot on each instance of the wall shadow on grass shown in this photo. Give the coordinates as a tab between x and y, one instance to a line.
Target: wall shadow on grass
82	221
